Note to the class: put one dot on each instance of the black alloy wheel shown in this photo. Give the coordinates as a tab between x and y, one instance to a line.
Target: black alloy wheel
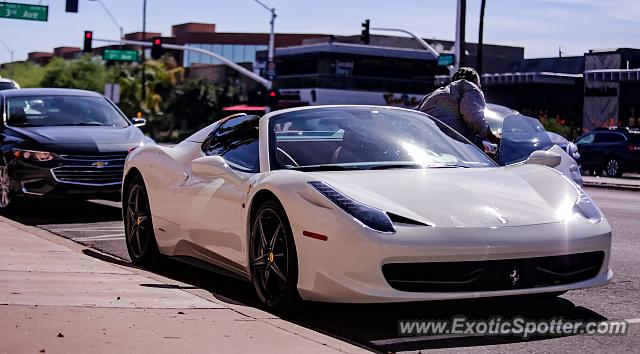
140	238
6	197
613	168
273	258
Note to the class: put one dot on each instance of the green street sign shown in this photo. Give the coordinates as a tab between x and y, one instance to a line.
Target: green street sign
446	59
24	11
120	55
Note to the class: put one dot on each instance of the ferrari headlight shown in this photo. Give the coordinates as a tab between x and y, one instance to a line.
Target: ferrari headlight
585	206
373	218
32	155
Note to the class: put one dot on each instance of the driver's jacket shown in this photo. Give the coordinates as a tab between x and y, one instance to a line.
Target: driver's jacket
459	105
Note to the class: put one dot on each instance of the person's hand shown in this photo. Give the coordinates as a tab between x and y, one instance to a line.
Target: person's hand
492	138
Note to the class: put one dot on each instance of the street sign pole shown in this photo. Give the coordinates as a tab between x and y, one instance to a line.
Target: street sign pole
460	51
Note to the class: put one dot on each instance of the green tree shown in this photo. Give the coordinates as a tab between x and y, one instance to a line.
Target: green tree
192	104
26	74
83	73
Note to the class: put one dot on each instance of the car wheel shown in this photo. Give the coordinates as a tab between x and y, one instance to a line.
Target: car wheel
140	238
613	168
273	258
6	195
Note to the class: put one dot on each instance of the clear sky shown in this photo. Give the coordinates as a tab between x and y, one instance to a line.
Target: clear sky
538	25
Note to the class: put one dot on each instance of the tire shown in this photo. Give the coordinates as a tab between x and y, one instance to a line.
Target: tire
273	258
613	168
139	235
7	199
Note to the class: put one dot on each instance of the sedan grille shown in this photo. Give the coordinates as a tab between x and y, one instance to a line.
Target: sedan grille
505	274
91	170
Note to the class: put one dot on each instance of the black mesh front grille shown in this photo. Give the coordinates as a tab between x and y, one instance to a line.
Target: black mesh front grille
96	169
493	275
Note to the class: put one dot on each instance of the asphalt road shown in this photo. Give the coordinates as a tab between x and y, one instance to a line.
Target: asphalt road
97	224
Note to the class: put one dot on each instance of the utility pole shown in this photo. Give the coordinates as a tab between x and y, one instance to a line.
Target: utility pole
480	53
113	19
7	48
272	40
144	38
461	20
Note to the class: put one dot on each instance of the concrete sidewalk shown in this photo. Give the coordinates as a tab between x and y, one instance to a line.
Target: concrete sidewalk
55	298
628	181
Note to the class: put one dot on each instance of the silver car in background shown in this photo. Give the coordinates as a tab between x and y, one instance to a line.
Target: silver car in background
522	135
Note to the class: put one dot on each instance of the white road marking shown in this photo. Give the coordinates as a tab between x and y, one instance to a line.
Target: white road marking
634	320
422	338
84	229
99	238
110	203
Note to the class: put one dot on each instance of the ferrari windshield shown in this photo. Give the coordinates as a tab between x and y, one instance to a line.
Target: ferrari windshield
358	137
30	111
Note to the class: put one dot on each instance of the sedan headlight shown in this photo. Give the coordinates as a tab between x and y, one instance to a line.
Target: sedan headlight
32	155
373	218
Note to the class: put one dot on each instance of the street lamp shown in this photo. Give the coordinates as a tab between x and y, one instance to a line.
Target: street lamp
111	16
7	48
272	10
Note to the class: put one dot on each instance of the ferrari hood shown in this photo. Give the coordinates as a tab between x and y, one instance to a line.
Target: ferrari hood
456	197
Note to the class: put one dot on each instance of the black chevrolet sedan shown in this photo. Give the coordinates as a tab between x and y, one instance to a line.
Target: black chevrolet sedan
63	142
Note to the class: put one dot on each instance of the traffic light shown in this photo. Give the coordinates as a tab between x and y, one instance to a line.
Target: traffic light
273	96
88	37
72	6
156	48
365	37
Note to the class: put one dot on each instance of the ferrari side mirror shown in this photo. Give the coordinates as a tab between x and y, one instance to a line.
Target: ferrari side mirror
210	166
545	158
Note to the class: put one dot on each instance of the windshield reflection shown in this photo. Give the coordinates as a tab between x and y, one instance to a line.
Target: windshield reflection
342	138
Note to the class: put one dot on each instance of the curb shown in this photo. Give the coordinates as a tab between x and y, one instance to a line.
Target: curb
628	187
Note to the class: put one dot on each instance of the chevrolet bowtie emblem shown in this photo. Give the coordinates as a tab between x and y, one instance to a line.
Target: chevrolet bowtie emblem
100	164
515	277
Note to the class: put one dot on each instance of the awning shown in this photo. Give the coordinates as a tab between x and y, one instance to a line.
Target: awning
245	108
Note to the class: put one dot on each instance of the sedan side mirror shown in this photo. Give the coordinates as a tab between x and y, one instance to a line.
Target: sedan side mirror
210	166
138	122
545	158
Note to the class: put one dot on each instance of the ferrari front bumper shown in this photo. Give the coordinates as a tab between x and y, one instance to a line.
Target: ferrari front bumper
348	266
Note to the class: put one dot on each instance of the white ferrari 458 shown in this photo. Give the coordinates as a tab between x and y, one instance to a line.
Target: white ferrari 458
362	204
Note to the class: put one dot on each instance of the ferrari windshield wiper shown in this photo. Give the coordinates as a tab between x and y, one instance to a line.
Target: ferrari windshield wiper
396	165
447	166
323	168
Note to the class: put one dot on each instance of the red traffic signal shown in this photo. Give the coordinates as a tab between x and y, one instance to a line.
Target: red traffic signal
88	37
156	48
273	96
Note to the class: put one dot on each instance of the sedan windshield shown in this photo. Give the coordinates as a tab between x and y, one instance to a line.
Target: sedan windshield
29	111
345	138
